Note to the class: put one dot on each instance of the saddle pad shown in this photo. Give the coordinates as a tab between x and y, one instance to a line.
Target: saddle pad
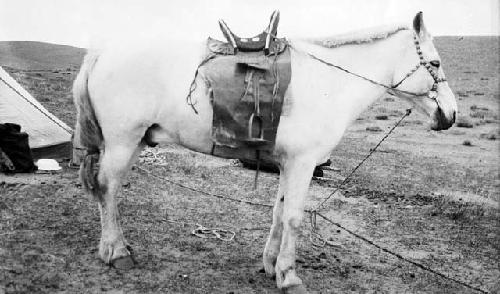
236	81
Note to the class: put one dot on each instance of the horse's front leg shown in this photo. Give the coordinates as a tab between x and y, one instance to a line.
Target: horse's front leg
297	177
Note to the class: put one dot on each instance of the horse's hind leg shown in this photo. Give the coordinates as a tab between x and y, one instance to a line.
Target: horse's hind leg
116	160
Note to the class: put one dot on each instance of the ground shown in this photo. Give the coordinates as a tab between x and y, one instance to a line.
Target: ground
429	197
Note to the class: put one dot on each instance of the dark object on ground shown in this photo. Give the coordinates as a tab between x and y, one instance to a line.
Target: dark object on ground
6	165
464	124
271	167
318	172
328	162
374	129
381	117
265	166
15	145
467	143
488	136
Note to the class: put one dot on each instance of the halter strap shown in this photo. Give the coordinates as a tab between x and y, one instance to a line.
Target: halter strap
427	66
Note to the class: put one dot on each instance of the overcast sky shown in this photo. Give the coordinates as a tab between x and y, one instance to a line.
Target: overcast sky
84	22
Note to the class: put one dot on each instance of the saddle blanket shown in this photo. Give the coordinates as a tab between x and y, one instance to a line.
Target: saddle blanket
242	85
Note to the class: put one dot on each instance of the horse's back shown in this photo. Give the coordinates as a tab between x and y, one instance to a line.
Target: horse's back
145	70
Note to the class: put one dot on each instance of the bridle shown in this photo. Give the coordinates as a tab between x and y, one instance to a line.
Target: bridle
431	93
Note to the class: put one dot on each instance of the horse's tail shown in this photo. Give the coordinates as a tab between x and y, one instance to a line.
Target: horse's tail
88	132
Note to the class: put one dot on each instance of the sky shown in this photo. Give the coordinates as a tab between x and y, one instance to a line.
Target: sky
83	23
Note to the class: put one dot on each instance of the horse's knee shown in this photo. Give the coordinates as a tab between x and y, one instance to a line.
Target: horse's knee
294	222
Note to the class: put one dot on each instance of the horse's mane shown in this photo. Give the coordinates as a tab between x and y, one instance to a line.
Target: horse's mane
359	37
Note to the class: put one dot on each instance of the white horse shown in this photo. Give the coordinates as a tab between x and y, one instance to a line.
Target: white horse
125	99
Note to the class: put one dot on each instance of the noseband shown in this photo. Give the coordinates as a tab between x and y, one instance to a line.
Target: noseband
432	93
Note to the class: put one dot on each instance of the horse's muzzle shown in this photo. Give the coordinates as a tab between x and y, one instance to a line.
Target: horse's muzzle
441	121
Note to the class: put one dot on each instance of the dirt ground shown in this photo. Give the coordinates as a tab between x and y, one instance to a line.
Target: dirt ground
431	197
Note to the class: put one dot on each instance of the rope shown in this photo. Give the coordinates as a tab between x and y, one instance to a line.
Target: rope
213	233
38	108
184	223
200	230
399	256
320	239
203	192
372	150
409	74
193	86
357	75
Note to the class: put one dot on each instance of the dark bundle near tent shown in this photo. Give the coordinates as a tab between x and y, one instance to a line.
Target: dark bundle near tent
15	152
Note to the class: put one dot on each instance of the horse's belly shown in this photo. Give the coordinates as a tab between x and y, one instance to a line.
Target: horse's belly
196	139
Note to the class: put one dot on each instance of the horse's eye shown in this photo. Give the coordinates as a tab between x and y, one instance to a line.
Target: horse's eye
435	63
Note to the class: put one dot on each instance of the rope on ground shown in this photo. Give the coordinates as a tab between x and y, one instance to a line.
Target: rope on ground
317	240
399	256
206	233
200	230
203	192
213	233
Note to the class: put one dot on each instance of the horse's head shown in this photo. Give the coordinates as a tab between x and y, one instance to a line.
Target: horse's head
419	78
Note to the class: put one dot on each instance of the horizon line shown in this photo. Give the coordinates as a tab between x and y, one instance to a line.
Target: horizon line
78	46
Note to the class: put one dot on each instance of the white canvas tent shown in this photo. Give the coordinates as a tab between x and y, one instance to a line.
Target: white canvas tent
49	137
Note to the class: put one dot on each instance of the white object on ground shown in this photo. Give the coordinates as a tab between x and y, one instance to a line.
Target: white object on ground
47	164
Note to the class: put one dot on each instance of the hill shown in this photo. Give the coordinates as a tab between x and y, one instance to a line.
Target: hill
29	55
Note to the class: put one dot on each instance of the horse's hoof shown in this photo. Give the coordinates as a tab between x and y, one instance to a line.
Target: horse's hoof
124	263
262	270
269	266
295	289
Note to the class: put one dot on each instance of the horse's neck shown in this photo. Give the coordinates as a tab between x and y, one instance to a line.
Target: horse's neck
347	94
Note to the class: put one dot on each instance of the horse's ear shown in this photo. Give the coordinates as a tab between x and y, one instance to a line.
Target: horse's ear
418	25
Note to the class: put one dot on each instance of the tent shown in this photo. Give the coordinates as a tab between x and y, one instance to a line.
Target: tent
49	137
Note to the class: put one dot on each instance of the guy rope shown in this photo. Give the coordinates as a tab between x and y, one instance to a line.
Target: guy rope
316	238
